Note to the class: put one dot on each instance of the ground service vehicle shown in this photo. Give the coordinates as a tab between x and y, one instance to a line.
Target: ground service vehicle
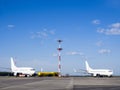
49	74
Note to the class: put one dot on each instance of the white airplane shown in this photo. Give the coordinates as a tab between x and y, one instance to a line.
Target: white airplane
26	71
98	72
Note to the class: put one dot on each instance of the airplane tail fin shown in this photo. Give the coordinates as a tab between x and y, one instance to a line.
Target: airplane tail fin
13	66
87	67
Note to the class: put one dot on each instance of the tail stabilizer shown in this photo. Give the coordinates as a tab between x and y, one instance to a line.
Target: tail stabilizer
13	66
87	67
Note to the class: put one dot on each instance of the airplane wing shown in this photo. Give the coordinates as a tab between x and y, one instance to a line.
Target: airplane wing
80	71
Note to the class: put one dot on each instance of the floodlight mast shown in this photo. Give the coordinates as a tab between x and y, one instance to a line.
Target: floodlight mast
59	57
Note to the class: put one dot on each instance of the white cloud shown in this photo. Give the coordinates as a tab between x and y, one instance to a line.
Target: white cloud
44	34
10	26
96	21
52	32
104	51
113	29
99	43
74	53
115	25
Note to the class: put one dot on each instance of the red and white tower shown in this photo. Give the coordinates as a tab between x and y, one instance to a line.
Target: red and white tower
59	57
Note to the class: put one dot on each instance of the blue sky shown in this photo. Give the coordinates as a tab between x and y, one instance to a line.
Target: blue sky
29	30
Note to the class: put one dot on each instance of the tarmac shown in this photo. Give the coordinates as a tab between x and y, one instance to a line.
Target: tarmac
56	83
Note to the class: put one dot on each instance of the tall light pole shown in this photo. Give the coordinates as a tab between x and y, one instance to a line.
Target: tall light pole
59	57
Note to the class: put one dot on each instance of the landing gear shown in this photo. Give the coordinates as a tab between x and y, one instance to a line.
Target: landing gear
27	75
98	75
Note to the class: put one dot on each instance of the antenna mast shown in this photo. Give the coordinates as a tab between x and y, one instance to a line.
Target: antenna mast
59	57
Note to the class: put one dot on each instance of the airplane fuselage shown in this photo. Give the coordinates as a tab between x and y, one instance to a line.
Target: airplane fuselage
27	71
101	72
98	72
24	70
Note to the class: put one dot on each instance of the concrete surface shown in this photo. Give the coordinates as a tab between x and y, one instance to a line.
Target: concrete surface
63	83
